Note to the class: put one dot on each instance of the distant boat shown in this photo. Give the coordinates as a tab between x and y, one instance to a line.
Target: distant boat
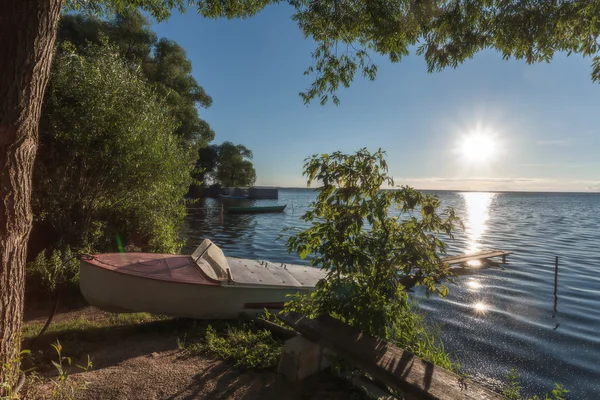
203	285
256	209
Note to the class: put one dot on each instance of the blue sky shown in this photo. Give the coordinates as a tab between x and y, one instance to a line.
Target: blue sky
543	120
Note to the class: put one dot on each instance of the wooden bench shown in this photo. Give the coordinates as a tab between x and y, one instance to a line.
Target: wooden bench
399	369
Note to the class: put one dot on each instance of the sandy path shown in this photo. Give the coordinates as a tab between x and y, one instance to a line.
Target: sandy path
149	366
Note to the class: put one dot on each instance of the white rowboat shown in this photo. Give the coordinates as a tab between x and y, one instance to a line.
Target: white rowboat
204	285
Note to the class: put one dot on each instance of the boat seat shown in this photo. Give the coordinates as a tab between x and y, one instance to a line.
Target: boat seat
211	260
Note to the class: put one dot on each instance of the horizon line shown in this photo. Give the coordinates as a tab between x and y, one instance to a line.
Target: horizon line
465	190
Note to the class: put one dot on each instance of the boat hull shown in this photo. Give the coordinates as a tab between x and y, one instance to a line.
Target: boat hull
123	293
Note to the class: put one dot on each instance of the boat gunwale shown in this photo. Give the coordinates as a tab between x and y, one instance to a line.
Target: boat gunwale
94	262
210	281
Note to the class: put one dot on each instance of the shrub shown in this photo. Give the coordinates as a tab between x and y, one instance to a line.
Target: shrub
363	248
110	166
512	389
244	347
48	271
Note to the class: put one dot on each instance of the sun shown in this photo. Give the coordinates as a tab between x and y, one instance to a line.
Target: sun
478	147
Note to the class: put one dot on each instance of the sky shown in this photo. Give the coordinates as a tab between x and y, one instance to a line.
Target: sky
490	124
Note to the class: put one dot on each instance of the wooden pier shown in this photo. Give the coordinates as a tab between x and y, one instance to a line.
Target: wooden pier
480	255
399	369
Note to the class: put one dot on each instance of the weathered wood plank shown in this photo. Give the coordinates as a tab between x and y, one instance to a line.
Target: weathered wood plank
401	370
481	255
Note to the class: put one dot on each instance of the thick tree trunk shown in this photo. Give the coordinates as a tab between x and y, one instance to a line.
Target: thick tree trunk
27	33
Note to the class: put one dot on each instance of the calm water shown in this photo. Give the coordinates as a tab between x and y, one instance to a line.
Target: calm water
497	318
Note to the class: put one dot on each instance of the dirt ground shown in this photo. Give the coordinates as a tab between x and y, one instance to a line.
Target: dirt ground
144	364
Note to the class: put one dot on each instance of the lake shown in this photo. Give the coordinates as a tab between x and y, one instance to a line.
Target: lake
497	318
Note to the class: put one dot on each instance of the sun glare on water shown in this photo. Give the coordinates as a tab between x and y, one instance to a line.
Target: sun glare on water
480	307
477	146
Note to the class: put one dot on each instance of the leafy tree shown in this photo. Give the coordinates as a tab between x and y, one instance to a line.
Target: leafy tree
225	164
447	33
109	163
364	249
233	167
171	71
206	164
163	62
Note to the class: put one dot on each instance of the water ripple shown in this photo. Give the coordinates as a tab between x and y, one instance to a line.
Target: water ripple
497	318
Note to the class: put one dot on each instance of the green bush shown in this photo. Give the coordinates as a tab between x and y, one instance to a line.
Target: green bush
363	248
412	333
512	389
241	345
49	270
110	168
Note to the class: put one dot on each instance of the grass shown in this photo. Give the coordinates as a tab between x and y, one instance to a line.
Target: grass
62	387
82	324
512	389
414	334
235	341
240	344
87	331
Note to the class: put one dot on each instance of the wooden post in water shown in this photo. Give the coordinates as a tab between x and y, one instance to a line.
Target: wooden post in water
555	274
555	288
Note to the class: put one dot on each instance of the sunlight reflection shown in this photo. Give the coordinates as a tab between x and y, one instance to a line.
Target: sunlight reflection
474	263
477	207
473	284
480	307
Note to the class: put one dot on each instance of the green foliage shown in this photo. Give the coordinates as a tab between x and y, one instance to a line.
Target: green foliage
163	63
244	347
234	169
208	159
364	247
8	369
171	72
61	388
558	393
445	33
49	271
159	9
512	389
412	333
226	164
82	328
110	167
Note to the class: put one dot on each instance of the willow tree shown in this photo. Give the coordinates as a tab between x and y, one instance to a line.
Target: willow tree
445	32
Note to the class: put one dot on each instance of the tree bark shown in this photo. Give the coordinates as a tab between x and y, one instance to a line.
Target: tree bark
27	34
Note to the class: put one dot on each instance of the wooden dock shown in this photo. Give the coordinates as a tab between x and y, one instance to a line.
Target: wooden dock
399	369
480	255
